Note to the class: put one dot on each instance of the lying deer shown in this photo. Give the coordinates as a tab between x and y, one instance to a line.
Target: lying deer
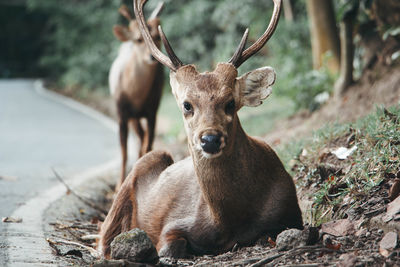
233	188
136	81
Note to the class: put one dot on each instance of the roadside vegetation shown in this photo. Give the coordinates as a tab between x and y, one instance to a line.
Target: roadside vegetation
334	185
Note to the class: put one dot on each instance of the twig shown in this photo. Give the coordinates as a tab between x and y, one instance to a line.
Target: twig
86	201
267	260
303	249
89	237
91	250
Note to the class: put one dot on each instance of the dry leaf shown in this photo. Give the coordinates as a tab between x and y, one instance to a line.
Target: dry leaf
392	209
341	227
271	242
394	190
11	220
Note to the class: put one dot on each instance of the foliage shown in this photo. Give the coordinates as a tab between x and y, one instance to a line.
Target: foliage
80	45
377	138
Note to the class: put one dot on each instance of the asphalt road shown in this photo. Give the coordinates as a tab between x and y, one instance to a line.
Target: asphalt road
38	134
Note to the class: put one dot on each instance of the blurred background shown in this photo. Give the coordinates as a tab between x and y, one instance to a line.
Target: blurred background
317	43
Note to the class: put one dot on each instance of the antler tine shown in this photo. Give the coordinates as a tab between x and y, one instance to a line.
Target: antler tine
162	58
175	60
240	48
124	11
254	48
157	10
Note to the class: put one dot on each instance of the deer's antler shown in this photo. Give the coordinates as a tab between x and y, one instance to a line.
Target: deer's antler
172	62
241	56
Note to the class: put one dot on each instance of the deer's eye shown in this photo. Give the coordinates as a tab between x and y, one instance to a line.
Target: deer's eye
187	107
230	107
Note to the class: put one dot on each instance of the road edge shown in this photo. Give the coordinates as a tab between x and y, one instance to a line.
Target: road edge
27	243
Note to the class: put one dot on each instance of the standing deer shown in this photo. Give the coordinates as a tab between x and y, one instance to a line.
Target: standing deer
232	189
136	81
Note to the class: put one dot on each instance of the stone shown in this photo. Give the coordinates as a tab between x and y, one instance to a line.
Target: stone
293	238
347	260
134	246
389	241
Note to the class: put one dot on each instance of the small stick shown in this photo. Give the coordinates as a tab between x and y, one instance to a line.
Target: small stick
266	260
87	202
92	251
90	237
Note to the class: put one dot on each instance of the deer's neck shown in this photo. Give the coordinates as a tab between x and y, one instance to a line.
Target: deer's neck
223	180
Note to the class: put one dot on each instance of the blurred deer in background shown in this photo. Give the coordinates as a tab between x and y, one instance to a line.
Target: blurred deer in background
136	81
232	189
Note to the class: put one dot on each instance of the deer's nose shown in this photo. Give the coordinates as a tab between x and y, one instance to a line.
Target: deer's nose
211	143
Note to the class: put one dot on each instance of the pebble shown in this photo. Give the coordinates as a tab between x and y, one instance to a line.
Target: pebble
134	246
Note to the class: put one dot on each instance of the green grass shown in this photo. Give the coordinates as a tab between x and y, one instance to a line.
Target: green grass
377	138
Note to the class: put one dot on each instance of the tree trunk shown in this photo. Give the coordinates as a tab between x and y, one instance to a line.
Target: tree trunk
324	36
347	56
288	10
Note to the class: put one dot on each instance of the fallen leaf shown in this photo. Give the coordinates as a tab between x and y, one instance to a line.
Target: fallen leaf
271	242
392	209
341	227
334	246
11	220
394	190
8	177
343	152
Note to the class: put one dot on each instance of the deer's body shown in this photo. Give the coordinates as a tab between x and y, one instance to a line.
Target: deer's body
135	81
207	204
232	189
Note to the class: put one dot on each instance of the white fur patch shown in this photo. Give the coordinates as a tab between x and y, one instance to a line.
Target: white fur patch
118	65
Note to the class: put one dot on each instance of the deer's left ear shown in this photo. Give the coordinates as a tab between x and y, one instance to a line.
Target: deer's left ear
255	86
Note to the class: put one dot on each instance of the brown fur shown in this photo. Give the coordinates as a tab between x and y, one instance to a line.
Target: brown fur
208	203
122	215
137	90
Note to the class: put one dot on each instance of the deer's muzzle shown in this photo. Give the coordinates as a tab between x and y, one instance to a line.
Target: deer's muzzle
211	143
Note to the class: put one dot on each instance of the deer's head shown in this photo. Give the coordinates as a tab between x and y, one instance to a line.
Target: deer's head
132	32
210	101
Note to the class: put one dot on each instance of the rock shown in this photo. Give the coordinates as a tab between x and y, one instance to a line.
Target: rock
341	227
290	239
295	238
347	260
134	246
389	241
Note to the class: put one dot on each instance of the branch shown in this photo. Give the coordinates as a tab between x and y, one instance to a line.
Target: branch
86	201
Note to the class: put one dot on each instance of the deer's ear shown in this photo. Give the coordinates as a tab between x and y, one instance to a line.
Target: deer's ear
255	86
121	32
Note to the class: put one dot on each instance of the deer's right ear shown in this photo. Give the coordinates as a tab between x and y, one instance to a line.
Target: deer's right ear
255	86
121	32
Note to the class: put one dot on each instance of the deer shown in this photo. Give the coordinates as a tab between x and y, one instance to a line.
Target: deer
232	189
136	81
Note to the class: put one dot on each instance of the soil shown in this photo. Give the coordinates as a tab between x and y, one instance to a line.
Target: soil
366	216
378	86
